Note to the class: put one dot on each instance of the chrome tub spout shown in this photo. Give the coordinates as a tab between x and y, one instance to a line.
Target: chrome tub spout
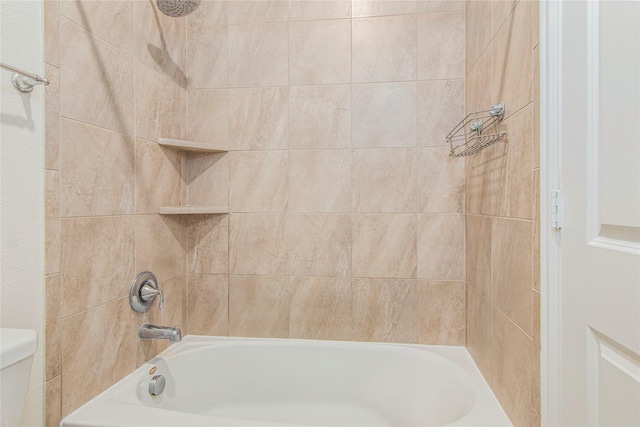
151	332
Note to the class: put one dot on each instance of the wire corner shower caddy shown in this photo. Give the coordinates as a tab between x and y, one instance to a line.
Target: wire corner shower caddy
476	132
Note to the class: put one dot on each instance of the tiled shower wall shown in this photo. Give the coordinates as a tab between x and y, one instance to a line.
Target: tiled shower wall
347	215
502	193
118	82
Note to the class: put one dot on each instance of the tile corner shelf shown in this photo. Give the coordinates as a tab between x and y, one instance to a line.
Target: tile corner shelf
195	146
192	210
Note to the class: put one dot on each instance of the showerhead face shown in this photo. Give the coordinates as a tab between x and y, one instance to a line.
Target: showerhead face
177	8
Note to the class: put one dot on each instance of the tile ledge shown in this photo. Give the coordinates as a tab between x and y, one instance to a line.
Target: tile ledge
185	145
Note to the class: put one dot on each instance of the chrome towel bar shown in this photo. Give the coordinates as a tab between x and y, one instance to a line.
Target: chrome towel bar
22	80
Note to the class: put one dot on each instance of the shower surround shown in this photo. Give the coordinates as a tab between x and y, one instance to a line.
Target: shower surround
347	217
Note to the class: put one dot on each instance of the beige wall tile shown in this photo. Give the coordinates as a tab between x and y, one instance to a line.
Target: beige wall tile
257	244
53	393
478	183
160	41
53	348
441	312
478	253
210	12
259	306
98	171
208	249
52	228
318	244
207	57
385	310
207	179
430	6
383	7
535	349
258	118
441	246
97	251
259	181
441	46
500	11
319	181
52	35
108	101
384	180
535	23
52	117
303	10
108	361
160	106
535	155
319	117
440	109
208	118
440	181
479	85
535	250
384	48
512	365
511	162
511	269
160	246
321	308
384	245
478	32
383	115
248	11
480	332
320	52
110	20
511	79
258	54
158	177
208	305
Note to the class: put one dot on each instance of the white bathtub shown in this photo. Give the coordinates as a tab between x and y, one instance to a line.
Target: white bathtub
219	381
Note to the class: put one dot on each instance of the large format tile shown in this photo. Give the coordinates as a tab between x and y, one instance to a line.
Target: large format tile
432	6
384	48
208	117
383	7
304	10
535	349
210	12
160	41
319	181
51	21
161	106
53	347
208	249
259	306
320	117
52	117
53	404
478	30
478	183
98	171
208	305
511	270
106	102
440	183
160	246
320	52
440	109
207	179
441	312
207	57
479	340
321	308
319	244
250	11
257	244
385	310
441	246
259	181
441	51
109	359
478	253
52	229
384	245
258	118
383	115
384	180
535	250
110	20
158	179
258	55
97	261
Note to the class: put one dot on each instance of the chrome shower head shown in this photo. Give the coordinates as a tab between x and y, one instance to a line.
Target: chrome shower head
177	8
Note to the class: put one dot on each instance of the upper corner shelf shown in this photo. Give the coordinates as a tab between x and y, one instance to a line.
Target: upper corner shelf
193	210
195	146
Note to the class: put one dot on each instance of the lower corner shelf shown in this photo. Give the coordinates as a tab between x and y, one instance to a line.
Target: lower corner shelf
192	210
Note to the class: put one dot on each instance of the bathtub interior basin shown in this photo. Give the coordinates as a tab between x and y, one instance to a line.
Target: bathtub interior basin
234	381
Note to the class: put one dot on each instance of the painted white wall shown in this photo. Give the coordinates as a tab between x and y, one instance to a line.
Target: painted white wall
21	187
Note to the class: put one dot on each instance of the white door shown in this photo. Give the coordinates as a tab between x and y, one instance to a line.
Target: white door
599	306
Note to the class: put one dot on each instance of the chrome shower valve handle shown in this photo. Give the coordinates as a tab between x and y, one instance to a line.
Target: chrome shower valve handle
148	293
143	291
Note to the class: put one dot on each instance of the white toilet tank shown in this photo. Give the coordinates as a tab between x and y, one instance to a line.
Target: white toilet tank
17	347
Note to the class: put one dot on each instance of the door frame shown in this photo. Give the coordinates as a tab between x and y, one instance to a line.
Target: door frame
550	180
